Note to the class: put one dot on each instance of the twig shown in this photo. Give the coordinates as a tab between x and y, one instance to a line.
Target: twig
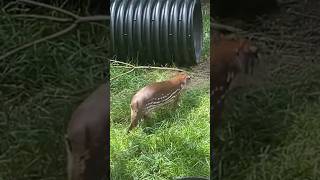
224	27
42	17
8	5
50	7
64	31
132	67
123	74
79	19
148	67
303	15
120	62
93	18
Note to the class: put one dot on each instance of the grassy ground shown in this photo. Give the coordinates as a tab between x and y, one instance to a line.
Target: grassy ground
39	88
175	142
273	133
271	128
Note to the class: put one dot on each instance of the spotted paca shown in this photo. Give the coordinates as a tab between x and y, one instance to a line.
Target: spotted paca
229	57
156	95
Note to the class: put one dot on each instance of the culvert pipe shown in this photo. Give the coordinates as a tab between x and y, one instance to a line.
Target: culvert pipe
157	31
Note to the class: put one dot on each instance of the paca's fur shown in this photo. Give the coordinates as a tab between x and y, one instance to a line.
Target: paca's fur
156	95
86	140
229	57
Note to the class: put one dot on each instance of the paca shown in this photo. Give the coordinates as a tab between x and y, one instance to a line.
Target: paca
156	95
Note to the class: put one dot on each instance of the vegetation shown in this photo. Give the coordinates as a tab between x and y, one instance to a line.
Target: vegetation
40	86
271	129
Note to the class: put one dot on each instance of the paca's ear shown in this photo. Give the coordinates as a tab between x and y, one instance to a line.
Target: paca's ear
186	80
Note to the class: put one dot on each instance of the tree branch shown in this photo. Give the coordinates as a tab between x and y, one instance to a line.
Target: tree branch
50	7
224	27
132	68
36	16
64	31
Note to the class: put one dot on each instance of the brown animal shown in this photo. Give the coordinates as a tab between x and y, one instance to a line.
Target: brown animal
229	57
86	138
156	95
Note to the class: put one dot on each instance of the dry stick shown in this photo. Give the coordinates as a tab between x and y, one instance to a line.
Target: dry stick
50	7
303	15
42	17
8	5
132	67
224	27
162	68
148	67
123	74
64	31
93	18
80	19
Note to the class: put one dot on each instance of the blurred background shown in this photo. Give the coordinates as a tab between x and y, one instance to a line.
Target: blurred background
271	121
41	85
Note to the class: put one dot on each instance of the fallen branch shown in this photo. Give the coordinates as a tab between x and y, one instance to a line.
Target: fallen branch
145	67
132	68
218	26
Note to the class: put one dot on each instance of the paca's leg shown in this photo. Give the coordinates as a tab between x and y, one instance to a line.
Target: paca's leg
135	117
146	116
218	103
176	101
70	157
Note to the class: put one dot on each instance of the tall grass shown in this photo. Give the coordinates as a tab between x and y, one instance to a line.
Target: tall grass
39	88
272	132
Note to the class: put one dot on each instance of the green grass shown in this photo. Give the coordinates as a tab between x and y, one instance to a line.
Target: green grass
39	88
175	142
272	132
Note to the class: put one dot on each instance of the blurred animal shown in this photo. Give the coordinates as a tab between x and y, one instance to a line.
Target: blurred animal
86	139
156	95
228	58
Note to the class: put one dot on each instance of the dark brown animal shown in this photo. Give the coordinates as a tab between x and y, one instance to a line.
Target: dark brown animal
156	95
86	138
228	58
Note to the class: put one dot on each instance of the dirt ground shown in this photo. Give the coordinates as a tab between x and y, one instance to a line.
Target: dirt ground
201	74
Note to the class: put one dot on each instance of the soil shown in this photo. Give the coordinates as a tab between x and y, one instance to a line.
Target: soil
201	75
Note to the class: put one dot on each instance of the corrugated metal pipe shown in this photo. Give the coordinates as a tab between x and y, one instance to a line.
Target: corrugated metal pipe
157	31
